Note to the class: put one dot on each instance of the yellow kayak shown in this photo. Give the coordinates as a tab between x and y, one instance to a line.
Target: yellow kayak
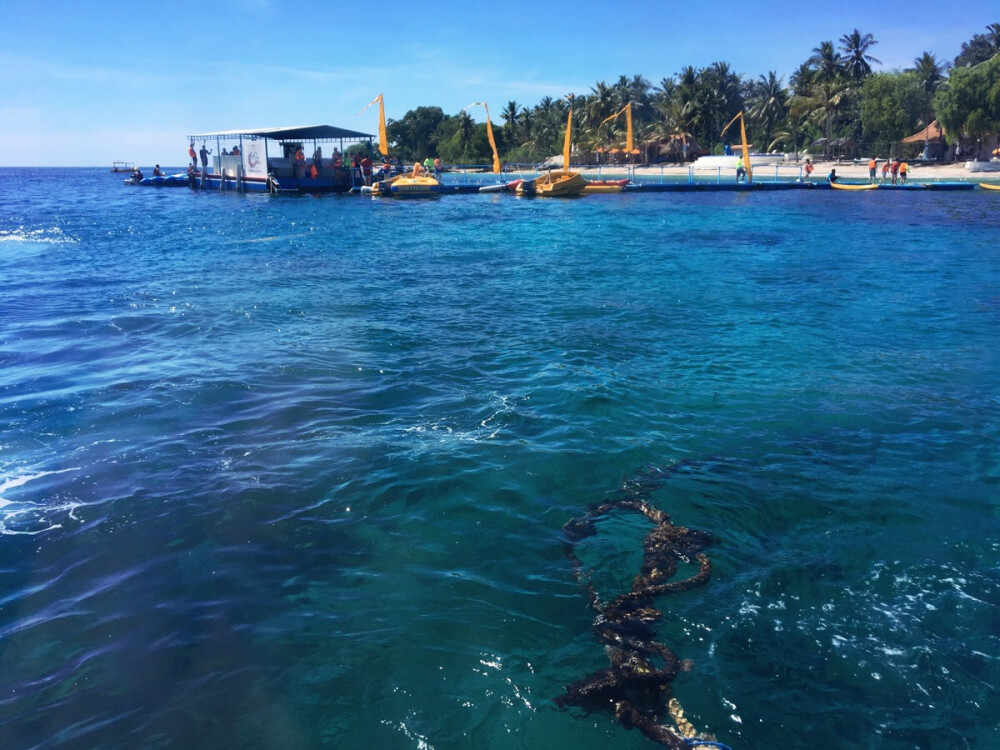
849	186
988	186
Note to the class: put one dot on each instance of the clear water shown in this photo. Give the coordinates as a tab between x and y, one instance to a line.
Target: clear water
291	472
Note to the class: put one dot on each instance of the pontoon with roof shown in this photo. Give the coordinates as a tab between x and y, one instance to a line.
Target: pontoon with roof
281	159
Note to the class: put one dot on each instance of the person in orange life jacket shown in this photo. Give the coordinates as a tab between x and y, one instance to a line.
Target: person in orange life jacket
885	171
808	169
872	167
192	154
902	172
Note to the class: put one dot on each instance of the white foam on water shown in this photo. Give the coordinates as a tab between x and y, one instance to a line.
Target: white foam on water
50	236
18	517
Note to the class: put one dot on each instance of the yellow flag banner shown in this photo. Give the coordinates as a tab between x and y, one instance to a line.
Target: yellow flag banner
489	135
746	149
493	143
569	139
627	111
628	119
383	139
743	143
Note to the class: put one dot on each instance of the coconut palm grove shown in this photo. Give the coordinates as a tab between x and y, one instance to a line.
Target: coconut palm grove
837	102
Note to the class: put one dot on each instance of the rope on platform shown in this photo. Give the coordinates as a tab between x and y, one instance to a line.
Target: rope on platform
638	680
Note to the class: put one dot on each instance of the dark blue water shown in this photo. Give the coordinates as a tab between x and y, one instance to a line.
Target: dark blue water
291	472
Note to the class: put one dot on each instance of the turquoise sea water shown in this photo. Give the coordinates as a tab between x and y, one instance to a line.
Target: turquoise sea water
291	472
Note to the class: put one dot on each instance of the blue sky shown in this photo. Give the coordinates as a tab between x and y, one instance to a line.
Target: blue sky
87	83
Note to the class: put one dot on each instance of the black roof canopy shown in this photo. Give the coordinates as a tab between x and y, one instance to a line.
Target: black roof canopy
300	133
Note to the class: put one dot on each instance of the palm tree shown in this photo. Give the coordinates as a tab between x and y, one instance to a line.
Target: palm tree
509	117
796	121
769	104
600	105
801	80
857	61
465	130
826	100
929	70
980	48
826	63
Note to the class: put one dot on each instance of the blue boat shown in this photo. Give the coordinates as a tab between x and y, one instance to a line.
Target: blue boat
281	159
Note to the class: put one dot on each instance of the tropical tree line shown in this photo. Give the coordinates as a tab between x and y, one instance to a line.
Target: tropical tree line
834	103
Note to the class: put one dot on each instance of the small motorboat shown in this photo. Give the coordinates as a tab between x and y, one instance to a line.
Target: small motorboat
555	184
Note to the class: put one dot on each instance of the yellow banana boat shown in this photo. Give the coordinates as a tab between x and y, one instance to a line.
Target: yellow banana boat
850	186
604	186
988	186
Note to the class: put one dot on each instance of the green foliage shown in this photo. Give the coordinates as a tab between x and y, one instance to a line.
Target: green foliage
893	105
971	102
833	93
415	136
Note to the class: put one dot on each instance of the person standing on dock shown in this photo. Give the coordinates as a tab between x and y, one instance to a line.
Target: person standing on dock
741	172
204	156
872	168
903	168
807	170
885	171
894	169
366	169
